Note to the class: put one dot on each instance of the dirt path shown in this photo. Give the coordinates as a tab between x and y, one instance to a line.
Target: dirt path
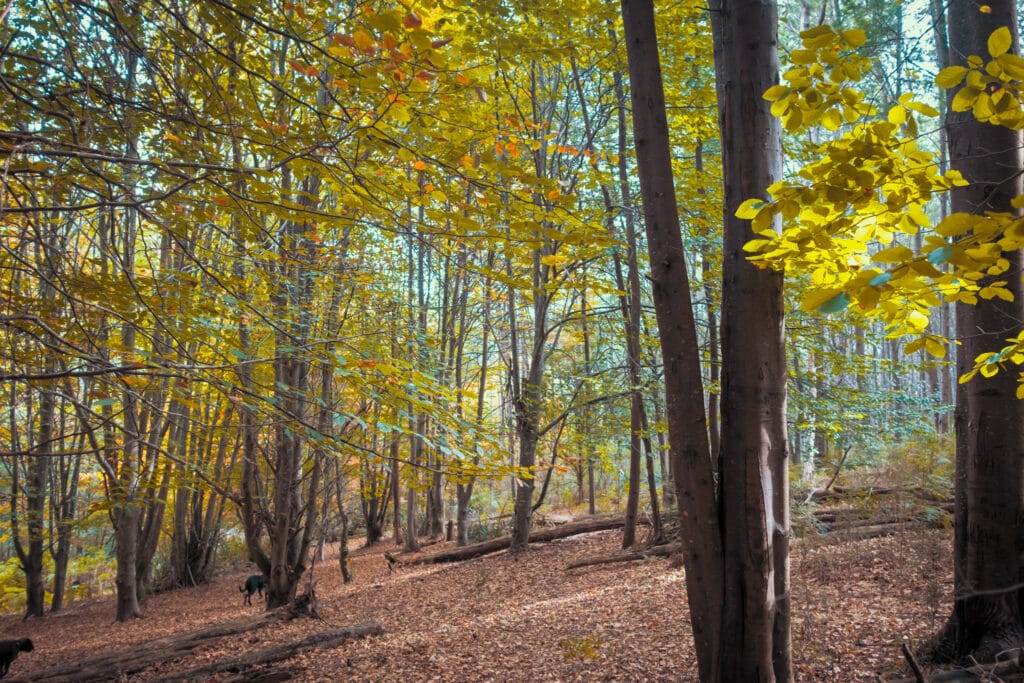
530	619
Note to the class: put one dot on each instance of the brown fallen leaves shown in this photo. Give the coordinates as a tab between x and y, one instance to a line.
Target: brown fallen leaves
527	618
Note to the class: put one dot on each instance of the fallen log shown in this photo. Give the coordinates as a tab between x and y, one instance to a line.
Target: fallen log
112	664
277	653
468	552
654	551
843	492
119	664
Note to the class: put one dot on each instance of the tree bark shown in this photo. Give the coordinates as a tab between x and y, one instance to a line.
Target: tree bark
988	571
754	474
684	393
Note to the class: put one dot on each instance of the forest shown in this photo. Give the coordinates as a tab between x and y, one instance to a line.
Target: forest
364	289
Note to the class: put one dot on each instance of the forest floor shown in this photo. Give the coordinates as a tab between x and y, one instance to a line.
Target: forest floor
527	618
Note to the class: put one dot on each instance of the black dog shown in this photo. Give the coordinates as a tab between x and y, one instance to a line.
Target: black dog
254	584
9	650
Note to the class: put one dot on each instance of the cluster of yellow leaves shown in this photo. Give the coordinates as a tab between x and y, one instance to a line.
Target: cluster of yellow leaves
841	213
993	91
815	91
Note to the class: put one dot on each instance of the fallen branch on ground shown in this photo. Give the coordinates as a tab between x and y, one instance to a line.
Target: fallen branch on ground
654	551
277	653
978	672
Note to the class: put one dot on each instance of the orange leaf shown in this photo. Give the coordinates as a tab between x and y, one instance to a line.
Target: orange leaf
412	20
419	166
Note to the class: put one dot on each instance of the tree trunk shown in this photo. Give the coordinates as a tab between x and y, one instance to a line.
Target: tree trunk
35	507
64	498
396	493
126	521
684	394
988	571
754	474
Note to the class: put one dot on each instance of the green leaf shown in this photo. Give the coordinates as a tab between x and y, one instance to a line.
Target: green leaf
940	255
836	303
880	279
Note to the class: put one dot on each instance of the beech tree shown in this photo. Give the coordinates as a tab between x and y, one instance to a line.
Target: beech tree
684	402
871	184
737	562
987	616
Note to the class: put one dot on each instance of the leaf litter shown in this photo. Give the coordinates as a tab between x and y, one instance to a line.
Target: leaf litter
527	618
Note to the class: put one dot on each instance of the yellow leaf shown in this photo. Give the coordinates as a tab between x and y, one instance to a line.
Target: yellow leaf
832	119
934	347
1013	65
363	41
915	345
855	37
756	245
1000	41
985	9
775	92
750	208
950	77
964	99
893	254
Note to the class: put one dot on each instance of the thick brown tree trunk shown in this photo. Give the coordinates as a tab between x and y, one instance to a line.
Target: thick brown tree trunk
754	474
986	618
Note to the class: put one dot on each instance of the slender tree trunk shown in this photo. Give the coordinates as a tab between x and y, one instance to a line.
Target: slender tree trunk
35	506
714	369
684	394
64	497
396	493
